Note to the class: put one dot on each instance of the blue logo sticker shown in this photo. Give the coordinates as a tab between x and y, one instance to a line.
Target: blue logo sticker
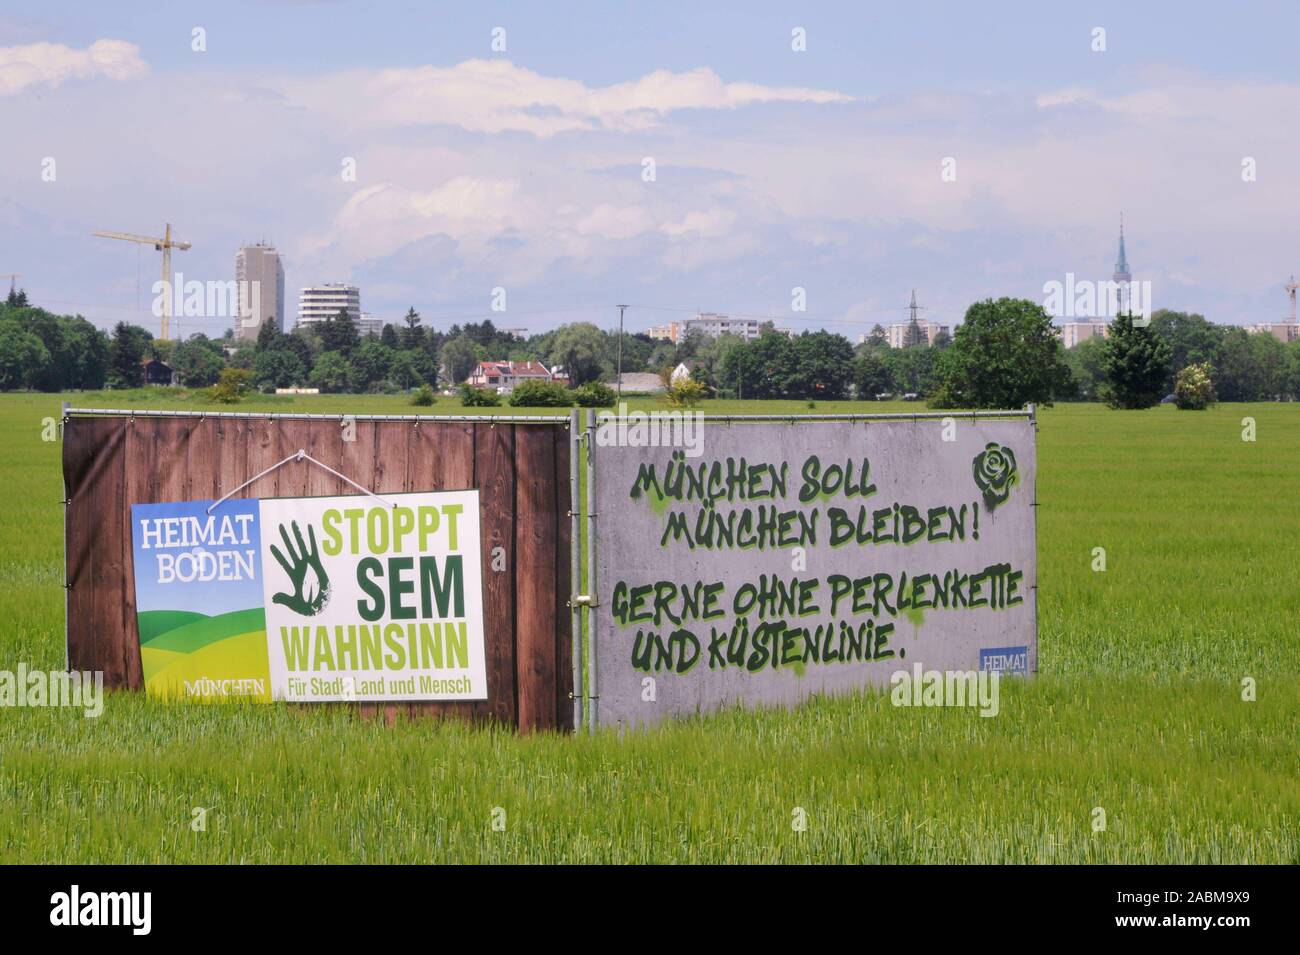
1005	659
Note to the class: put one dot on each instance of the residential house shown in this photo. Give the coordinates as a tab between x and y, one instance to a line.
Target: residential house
504	376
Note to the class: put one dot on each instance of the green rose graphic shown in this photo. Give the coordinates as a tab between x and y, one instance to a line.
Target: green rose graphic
995	473
311	585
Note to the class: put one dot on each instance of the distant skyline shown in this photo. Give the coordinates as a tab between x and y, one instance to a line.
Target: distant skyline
524	168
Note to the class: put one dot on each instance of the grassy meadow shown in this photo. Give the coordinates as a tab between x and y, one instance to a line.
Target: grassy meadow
1137	709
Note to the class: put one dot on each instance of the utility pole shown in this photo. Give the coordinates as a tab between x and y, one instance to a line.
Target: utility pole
619	378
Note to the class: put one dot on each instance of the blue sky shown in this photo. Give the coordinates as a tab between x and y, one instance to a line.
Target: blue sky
774	168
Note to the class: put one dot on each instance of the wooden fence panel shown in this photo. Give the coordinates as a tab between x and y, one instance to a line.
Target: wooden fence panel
519	469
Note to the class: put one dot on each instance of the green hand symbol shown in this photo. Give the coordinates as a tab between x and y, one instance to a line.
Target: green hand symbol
302	559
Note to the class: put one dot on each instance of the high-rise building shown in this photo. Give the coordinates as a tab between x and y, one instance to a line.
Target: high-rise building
259	272
317	303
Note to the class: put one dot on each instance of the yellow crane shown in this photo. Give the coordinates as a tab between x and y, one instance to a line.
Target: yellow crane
164	245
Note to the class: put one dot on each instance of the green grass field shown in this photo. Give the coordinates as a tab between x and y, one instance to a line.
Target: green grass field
1137	709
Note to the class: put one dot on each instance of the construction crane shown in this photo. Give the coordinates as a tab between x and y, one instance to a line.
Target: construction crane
1290	290
165	246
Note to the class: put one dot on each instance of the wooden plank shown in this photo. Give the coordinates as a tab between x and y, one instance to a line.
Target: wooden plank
391	439
358	462
136	469
494	474
262	438
563	585
232	436
440	457
295	478
324	442
203	467
87	451
535	547
111	651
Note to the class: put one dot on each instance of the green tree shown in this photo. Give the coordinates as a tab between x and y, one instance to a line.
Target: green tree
710	355
196	364
581	349
1135	361
339	334
128	348
269	335
1192	340
1084	360
413	334
871	375
23	357
231	386
404	368
878	339
1293	370
1005	354
278	368
912	369
78	350
370	364
823	366
766	367
459	356
388	337
1269	366
332	373
1194	387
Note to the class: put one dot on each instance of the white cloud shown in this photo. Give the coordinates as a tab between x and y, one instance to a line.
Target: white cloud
381	219
50	64
707	223
615	222
493	96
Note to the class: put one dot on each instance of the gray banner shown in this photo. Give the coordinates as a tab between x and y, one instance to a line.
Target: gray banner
763	562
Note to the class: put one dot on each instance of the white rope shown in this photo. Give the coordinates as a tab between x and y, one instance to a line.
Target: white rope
300	455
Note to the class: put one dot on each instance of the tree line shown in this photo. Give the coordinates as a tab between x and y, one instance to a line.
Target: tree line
1005	354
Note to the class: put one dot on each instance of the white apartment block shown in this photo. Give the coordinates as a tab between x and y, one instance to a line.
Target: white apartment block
1072	333
1282	331
897	333
715	325
370	325
258	270
320	302
711	324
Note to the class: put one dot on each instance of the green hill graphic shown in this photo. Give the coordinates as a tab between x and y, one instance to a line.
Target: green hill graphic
154	623
204	630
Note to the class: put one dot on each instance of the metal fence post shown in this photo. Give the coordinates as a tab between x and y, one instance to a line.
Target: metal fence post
575	569
591	589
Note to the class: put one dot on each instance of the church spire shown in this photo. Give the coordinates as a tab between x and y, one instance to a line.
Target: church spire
1121	265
